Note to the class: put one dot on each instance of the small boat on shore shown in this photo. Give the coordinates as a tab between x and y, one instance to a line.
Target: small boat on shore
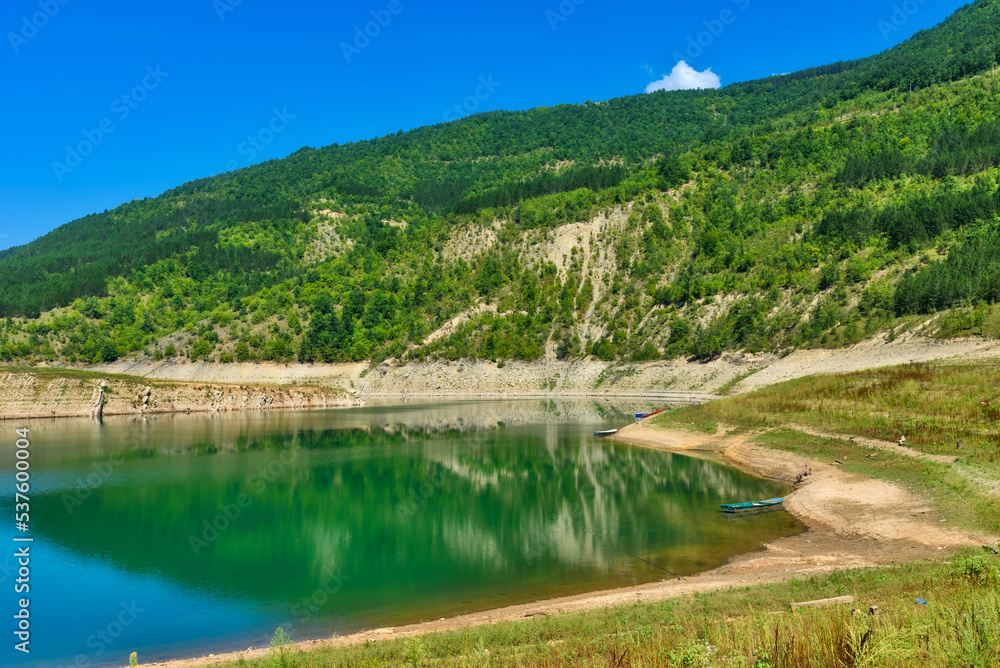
751	505
602	434
641	416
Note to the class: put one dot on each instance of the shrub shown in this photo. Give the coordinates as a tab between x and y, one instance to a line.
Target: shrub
646	353
279	647
605	350
979	570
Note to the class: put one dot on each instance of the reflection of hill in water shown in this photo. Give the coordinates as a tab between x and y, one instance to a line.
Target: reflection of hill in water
412	502
592	508
206	433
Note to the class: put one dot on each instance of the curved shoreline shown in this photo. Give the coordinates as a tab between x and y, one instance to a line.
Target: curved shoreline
28	395
66	391
851	522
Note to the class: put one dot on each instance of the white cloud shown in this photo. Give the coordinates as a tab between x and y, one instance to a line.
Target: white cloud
685	77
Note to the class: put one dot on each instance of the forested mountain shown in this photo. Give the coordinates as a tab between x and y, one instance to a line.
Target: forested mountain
809	209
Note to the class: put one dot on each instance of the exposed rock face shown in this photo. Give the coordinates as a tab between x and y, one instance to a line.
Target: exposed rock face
97	405
27	395
224	387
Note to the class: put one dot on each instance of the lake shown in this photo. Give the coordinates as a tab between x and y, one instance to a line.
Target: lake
180	535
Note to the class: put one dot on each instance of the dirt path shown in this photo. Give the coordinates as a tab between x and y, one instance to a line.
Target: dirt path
875	443
985	485
870	354
852	522
831	502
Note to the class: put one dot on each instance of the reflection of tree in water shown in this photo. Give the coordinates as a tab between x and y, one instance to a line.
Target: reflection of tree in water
146	436
513	504
588	500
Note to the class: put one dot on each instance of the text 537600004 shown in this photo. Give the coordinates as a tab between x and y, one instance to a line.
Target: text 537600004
22	548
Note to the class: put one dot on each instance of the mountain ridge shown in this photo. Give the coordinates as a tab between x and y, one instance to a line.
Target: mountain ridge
702	221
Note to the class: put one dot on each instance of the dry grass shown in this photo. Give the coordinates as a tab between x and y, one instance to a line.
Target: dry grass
742	628
955	498
934	406
753	627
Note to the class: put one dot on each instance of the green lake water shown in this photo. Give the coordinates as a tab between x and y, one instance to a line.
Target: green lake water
180	535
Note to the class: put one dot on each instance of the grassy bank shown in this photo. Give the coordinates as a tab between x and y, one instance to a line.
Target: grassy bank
956	500
934	405
71	373
749	627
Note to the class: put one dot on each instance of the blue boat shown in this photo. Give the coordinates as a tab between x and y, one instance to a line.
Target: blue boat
750	505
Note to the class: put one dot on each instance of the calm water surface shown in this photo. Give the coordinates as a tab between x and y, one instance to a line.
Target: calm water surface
173	536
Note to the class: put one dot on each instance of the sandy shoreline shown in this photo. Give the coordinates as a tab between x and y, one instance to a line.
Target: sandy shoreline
851	522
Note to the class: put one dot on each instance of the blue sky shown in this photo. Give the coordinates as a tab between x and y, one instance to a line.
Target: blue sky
165	92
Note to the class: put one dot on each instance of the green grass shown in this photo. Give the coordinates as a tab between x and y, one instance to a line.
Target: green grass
953	497
978	321
724	390
932	405
73	374
746	627
48	373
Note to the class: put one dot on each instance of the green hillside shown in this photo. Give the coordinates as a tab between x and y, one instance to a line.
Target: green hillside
811	209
